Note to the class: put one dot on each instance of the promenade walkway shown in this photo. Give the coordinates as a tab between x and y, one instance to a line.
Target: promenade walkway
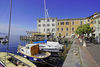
79	56
73	57
94	50
86	57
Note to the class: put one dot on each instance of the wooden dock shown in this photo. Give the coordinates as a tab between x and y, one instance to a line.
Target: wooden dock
3	57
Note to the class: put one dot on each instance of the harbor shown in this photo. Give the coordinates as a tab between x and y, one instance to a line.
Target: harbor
55	60
38	33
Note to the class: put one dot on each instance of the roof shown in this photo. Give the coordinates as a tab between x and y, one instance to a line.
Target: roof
71	19
45	18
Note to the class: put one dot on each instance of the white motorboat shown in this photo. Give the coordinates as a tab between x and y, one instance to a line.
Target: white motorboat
49	46
32	52
4	40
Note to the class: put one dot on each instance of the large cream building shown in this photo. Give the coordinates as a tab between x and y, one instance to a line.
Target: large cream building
64	27
47	25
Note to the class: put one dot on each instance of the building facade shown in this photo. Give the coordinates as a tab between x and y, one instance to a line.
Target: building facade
67	27
97	26
47	25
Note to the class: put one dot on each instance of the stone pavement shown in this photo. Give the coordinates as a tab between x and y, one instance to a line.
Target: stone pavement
79	56
87	59
73	57
94	50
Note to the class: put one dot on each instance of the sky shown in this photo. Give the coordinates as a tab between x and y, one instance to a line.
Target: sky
26	12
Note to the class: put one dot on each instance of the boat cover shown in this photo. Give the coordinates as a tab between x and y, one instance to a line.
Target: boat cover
38	42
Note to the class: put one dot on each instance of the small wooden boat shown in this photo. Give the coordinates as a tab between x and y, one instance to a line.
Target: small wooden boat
33	53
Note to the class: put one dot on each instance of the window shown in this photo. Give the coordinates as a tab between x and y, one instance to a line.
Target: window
98	21
57	29
53	24
59	34
67	23
66	34
61	29
58	23
48	24
48	30
39	20
73	23
43	25
72	29
39	25
66	29
53	30
27	47
80	22
62	23
84	21
53	20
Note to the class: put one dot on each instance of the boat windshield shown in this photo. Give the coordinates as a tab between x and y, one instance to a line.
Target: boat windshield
27	47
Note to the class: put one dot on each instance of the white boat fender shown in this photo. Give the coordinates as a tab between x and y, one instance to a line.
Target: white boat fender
35	59
25	56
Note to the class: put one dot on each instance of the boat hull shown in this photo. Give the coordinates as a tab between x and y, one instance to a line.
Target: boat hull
51	50
30	58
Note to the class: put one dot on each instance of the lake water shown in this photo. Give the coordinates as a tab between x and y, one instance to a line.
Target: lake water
14	41
13	44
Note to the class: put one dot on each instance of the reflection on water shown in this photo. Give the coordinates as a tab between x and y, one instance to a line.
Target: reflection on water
13	43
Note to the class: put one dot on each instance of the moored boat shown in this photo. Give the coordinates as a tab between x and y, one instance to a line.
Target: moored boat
4	40
2	64
49	46
32	52
12	60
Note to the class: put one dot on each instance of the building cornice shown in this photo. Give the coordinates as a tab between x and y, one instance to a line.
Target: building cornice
45	18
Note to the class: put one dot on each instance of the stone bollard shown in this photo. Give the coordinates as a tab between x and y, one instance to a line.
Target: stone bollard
84	44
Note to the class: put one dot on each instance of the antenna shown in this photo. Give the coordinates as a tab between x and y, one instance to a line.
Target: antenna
47	13
46	17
